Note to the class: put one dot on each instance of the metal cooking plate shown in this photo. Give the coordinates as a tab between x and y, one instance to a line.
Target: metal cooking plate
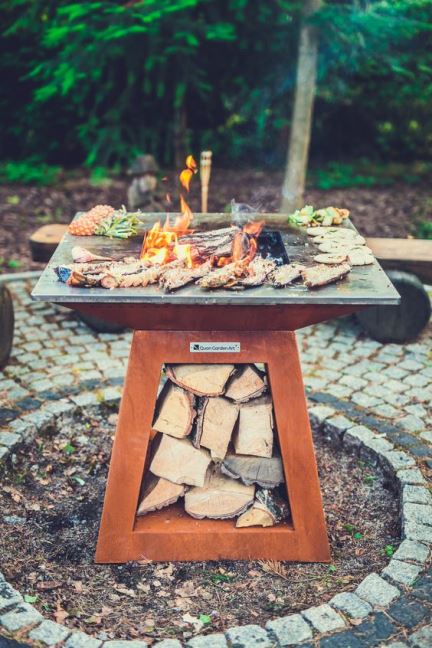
364	285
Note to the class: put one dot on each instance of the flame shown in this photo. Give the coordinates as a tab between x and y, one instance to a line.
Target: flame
245	244
187	174
161	244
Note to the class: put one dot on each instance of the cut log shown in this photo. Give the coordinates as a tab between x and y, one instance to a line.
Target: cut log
264	471
245	384
220	498
255	429
255	517
271	501
158	493
215	424
201	379
179	462
268	509
177	278
210	243
175	411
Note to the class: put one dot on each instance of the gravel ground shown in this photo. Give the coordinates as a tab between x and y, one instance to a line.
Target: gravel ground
51	504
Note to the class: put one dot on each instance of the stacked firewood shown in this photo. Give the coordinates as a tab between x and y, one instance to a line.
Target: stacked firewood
214	445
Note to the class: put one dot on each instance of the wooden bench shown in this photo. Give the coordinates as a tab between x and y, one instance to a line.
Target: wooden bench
408	263
409	255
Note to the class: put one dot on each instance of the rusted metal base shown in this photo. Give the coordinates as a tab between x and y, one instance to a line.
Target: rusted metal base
170	534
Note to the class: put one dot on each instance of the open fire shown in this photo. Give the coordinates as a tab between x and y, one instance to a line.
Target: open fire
163	243
174	255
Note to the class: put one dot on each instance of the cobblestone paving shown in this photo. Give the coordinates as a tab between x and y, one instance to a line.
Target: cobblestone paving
375	398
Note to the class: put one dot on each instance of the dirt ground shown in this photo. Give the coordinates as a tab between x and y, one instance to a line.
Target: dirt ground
51	504
380	211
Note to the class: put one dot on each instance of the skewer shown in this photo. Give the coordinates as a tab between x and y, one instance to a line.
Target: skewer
205	171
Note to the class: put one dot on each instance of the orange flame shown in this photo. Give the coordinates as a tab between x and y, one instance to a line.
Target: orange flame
245	244
161	244
187	174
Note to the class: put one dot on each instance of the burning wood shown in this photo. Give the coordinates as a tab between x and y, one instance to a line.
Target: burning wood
161	244
214	243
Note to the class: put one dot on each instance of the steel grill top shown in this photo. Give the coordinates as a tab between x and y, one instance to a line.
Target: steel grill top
364	285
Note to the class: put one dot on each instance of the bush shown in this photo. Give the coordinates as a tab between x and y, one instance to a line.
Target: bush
31	171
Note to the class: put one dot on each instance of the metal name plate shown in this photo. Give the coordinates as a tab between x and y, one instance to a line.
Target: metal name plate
214	347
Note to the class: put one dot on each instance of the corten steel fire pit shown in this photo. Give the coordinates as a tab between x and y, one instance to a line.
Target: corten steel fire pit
251	326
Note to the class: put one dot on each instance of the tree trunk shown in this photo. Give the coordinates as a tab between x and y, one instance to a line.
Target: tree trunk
295	173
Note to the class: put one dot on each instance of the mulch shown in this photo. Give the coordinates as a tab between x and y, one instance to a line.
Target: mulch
51	503
379	211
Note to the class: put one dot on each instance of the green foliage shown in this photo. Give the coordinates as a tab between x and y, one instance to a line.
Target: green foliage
10	263
389	550
367	173
99	82
31	171
69	449
353	531
424	230
341	175
220	578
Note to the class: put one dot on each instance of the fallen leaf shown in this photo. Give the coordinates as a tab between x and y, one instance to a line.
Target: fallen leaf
48	585
33	507
193	621
60	613
165	572
124	590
